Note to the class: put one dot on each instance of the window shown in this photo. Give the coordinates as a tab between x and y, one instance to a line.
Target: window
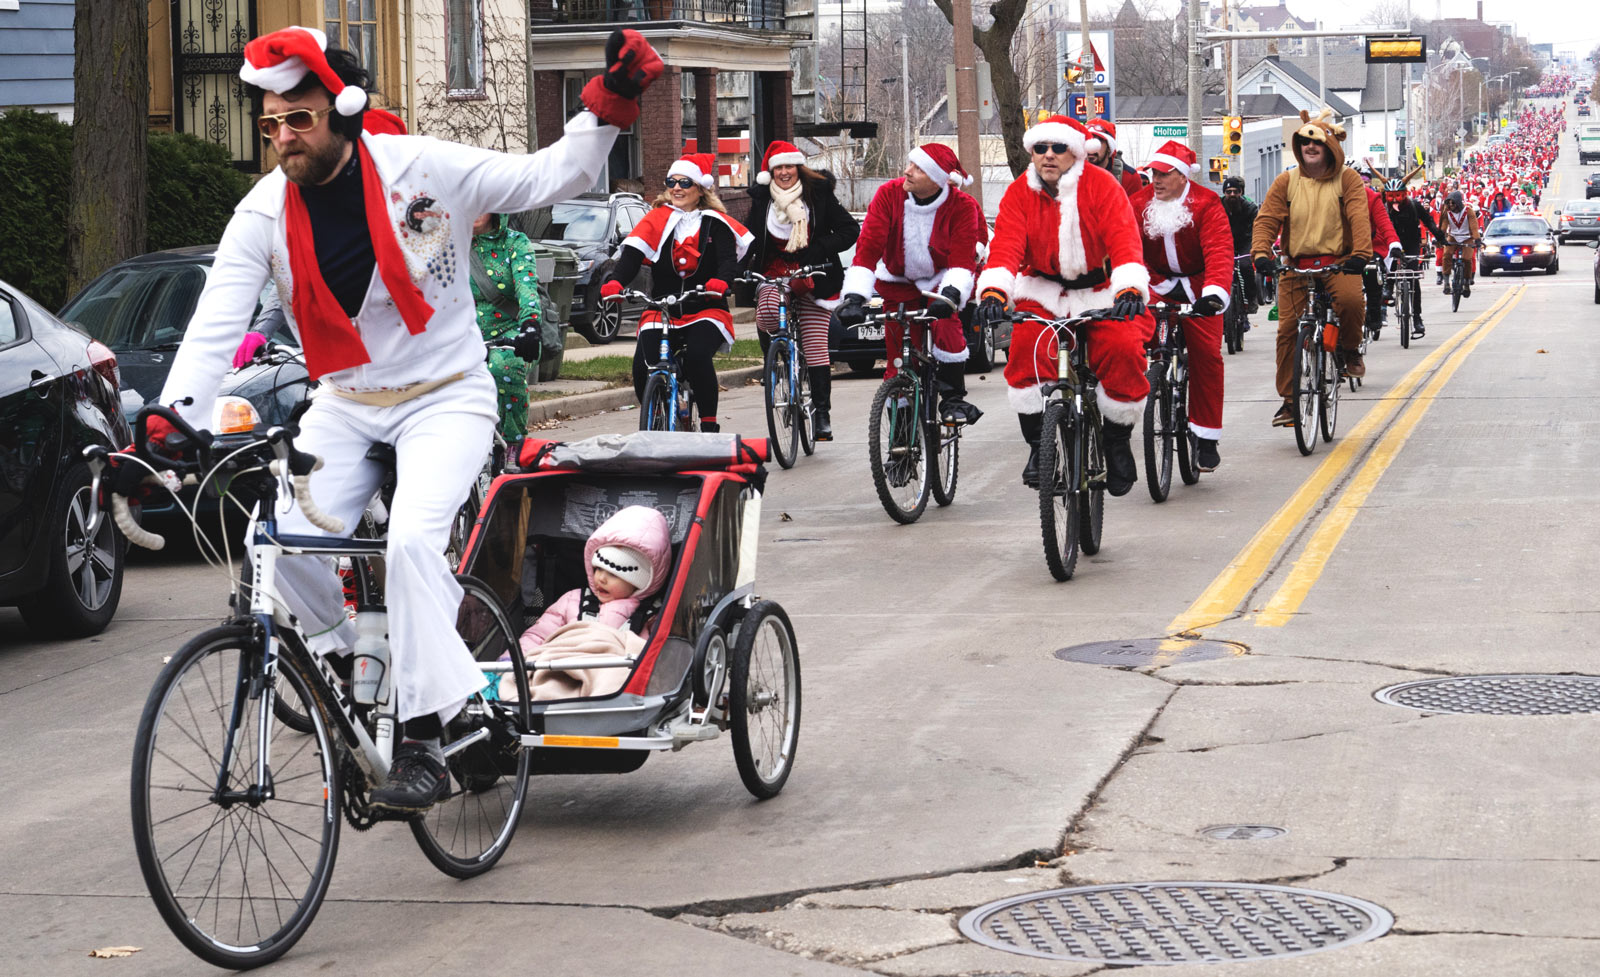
1268	90
8	323
464	25
353	25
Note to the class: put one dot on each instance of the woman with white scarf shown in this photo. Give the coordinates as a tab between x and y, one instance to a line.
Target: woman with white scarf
797	221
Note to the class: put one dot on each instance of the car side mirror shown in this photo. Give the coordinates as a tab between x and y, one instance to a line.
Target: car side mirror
1592	244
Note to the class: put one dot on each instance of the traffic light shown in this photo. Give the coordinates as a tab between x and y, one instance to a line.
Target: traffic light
1233	135
1396	50
1219	165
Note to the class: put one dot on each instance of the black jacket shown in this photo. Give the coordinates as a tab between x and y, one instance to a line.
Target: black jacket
831	230
1409	219
1241	221
719	259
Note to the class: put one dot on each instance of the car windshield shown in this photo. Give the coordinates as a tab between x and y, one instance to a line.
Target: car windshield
143	306
1583	206
1526	225
570	220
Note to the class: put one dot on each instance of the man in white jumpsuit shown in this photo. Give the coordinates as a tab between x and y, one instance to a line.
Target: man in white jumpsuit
367	239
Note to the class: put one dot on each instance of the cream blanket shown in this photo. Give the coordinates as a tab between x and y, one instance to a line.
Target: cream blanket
580	639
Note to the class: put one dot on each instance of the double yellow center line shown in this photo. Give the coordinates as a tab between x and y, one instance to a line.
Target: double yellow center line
1253	566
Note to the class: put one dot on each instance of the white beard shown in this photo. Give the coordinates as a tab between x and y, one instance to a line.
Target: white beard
1163	218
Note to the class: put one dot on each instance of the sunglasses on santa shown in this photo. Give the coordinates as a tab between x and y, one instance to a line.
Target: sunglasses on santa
300	120
680	182
1041	148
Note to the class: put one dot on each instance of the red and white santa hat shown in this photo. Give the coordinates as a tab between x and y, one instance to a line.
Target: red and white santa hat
780	153
699	167
1174	155
1062	129
278	61
940	163
1103	129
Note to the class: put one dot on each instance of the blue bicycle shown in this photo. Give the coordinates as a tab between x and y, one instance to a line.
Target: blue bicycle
788	391
668	401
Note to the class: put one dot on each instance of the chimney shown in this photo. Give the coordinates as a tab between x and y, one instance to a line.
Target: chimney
1480	11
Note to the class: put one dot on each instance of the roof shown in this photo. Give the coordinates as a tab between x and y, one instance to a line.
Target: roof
1272	17
1155	108
1344	72
1309	84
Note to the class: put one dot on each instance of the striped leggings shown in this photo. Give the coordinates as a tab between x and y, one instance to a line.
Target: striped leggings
807	319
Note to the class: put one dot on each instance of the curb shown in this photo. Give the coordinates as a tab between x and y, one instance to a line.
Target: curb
582	405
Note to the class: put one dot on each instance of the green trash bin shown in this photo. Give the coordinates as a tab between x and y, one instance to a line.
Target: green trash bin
558	272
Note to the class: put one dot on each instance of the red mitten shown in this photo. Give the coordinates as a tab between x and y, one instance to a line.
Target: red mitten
631	65
611	291
717	286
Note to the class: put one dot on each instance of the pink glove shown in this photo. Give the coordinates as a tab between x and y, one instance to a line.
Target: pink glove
248	347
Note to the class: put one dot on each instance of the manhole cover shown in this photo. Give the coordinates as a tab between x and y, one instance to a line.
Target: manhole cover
1174	922
1149	651
1500	695
1242	832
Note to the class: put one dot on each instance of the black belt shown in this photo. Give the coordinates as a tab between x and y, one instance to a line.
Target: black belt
1093	279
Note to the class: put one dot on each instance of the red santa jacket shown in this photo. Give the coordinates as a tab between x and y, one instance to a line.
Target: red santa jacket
932	246
1384	239
1198	259
1068	253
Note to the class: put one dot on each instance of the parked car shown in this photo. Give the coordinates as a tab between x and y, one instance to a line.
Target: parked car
593	225
58	395
1578	220
1518	242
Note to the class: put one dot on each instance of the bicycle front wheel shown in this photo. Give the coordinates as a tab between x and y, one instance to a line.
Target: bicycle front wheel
1058	481
898	449
804	420
1455	288
782	398
1306	375
655	410
1158	432
1183	434
237	876
1091	455
945	442
467	832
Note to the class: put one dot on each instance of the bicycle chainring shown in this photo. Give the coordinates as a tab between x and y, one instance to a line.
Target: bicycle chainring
357	813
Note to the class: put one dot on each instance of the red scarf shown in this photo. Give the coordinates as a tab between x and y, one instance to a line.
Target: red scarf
327	335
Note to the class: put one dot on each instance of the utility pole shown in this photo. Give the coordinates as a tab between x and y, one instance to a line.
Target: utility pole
1231	53
1086	60
905	95
967	147
1196	143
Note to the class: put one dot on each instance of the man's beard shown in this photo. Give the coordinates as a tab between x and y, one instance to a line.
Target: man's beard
1164	217
311	168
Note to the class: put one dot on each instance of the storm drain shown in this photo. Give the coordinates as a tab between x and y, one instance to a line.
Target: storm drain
1141	652
1500	695
1174	922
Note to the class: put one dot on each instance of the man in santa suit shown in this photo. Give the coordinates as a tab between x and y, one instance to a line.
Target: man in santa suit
921	235
1065	242
366	238
1108	158
1188	247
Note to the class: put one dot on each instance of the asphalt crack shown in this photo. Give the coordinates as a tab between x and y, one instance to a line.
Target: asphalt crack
1093	800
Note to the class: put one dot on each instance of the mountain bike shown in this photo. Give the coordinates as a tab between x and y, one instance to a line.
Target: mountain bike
1456	284
237	816
1072	455
1316	361
1166	412
1237	317
787	390
668	401
912	450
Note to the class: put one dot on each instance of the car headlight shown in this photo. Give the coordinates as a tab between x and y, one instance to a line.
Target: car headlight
584	264
233	415
1542	249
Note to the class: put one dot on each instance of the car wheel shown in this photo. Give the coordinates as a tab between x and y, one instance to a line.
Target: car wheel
862	366
1555	266
84	580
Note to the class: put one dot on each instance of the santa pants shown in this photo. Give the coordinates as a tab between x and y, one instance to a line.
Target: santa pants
1349	304
949	341
1116	354
807	320
441	440
1203	337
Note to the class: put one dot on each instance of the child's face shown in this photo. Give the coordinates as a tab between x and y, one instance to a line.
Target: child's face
609	587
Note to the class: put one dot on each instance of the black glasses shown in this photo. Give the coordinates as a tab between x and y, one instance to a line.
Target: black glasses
1040	148
300	120
1232	192
681	182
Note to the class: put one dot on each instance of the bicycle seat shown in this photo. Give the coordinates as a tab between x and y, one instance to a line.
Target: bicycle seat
382	452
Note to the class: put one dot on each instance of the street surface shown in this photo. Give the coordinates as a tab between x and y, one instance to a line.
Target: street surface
947	759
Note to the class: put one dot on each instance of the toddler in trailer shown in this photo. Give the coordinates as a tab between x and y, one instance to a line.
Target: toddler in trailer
626	560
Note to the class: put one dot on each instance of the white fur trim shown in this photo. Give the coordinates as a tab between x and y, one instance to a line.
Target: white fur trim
683	167
1211	433
944	357
1131	275
1026	400
916	229
1222	293
1058	301
996	277
1119	411
1071	258
925	163
276	78
858	280
1165	286
350	100
960	279
786	159
1056	132
1183	166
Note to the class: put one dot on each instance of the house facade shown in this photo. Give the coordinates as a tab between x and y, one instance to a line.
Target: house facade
36	56
1265	17
1368	99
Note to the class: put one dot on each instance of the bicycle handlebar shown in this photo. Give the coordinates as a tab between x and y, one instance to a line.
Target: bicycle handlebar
782	281
659	304
1092	315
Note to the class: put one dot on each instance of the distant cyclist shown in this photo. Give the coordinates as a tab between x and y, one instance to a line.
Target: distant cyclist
1241	212
1410	220
1460	225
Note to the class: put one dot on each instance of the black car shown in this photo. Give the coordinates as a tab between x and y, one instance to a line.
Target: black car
1518	242
1579	221
593	225
140	308
1591	186
58	395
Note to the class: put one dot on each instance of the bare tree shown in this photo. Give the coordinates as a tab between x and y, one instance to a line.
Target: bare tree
111	105
497	119
995	42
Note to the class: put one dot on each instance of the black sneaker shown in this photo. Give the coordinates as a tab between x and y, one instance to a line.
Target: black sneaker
1206	458
710	427
821	426
1030	471
1121	470
1284	417
958	411
1417	331
417	781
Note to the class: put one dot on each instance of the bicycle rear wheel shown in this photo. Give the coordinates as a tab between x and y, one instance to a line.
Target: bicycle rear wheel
898	450
1306	374
237	879
1158	434
655	409
1403	308
1455	287
467	832
782	400
1059	478
944	441
1329	389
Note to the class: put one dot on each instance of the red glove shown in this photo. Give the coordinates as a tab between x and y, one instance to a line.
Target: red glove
611	291
156	431
631	65
717	286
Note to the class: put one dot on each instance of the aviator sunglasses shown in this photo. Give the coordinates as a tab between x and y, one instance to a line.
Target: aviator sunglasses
300	120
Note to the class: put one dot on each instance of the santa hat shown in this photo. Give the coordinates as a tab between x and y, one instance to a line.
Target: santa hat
1174	155
780	153
940	163
1103	129
699	167
625	563
380	123
1062	129
277	62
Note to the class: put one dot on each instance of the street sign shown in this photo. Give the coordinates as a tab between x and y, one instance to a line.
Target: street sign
1170	132
985	91
1409	49
1376	147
